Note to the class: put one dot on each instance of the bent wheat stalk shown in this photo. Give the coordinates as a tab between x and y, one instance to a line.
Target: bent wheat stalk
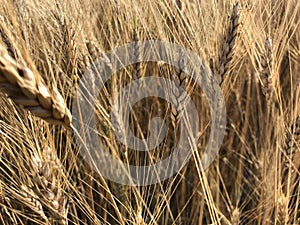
27	89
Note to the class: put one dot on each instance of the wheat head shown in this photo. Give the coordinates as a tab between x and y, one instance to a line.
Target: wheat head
26	88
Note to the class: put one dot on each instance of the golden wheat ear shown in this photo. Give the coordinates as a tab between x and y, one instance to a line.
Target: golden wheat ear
228	45
27	88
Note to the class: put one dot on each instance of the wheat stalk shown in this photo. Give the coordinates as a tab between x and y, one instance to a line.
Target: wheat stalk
26	88
235	216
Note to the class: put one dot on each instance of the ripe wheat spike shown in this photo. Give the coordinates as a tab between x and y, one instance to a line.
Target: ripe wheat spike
26	88
229	44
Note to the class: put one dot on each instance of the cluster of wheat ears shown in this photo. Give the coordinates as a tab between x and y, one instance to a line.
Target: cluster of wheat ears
253	51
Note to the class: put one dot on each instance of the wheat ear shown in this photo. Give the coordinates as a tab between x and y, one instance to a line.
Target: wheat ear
26	88
137	69
292	147
93	49
5	37
48	185
27	198
228	45
178	97
70	48
282	209
267	67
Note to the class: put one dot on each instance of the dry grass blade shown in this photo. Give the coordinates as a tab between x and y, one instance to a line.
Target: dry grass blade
28	90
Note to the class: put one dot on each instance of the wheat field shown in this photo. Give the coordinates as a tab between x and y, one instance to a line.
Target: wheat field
252	49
